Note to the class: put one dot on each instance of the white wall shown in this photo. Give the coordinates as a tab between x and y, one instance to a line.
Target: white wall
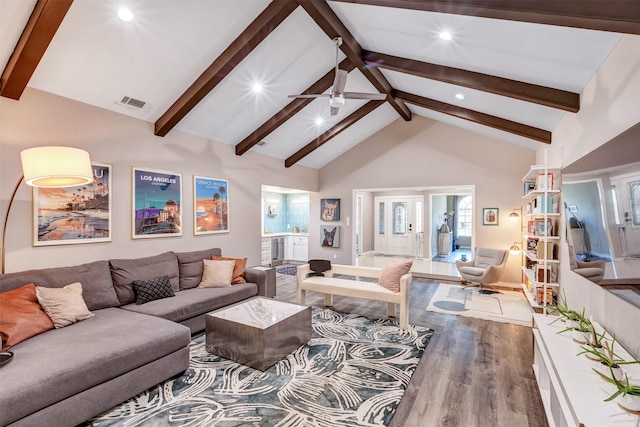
425	153
610	104
44	119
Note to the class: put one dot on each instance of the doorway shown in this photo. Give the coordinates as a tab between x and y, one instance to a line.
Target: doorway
398	219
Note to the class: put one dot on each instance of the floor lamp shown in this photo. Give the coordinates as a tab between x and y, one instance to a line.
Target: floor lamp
50	167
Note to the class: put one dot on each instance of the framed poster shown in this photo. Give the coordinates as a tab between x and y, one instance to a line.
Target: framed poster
156	200
330	209
490	216
210	205
330	236
71	215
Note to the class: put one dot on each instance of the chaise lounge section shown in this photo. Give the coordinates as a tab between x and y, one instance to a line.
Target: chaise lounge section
65	376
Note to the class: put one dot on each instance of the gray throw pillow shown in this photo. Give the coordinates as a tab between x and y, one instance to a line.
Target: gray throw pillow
152	289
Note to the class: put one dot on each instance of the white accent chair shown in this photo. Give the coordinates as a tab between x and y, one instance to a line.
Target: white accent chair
592	270
486	266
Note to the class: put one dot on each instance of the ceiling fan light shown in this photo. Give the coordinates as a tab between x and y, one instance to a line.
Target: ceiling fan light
336	101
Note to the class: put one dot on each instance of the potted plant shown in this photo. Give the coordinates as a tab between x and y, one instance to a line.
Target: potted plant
608	358
595	341
627	395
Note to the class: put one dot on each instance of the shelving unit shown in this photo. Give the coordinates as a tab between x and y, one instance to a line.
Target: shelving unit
540	237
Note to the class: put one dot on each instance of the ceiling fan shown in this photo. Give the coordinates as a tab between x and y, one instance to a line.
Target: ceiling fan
337	95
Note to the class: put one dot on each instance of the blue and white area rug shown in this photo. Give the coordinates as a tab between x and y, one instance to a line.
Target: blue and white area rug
353	372
505	306
291	271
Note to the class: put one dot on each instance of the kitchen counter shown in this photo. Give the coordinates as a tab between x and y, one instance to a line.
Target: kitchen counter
285	234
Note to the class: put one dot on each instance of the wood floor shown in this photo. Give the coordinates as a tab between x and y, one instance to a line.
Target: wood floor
473	372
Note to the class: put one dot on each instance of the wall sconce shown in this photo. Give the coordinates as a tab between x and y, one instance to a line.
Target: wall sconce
515	249
50	167
515	216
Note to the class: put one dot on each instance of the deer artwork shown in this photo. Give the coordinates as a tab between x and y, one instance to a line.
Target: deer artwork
328	237
329	211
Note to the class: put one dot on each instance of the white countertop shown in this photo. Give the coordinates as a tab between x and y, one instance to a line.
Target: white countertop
286	234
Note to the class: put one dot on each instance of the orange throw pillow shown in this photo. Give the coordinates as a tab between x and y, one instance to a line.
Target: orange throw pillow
238	268
21	316
391	274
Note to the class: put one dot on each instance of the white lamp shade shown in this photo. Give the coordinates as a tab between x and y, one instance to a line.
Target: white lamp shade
56	167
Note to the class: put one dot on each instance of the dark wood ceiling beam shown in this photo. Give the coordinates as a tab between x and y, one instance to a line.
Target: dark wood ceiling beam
329	22
42	25
334	131
619	16
291	109
505	125
537	94
251	37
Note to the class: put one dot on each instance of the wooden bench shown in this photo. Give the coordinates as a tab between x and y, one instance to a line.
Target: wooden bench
331	286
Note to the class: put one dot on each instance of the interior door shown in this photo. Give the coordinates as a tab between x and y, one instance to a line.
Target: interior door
396	219
629	193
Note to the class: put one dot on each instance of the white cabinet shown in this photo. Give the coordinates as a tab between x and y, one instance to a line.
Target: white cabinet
571	392
300	248
288	245
266	251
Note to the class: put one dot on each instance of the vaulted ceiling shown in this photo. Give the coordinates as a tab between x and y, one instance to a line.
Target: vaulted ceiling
511	69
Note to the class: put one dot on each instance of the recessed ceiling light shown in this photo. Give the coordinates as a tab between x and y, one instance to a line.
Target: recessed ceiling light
125	14
460	95
319	121
445	35
257	87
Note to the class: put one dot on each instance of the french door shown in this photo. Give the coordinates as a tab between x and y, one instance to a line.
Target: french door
397	220
628	194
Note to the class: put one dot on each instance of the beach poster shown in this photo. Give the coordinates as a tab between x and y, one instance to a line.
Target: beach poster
71	215
210	205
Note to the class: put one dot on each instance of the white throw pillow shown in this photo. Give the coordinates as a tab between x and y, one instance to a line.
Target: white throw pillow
63	305
216	274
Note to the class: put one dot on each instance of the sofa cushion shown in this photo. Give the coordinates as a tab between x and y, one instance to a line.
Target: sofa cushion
64	306
391	274
152	289
190	266
63	362
216	274
125	271
21	316
238	269
98	291
193	302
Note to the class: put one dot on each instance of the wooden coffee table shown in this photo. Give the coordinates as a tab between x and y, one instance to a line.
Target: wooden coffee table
258	332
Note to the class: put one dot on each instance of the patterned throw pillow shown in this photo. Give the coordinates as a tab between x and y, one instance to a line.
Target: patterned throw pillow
63	305
152	289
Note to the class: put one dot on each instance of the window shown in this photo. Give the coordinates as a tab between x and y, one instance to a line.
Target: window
399	218
464	216
634	198
381	218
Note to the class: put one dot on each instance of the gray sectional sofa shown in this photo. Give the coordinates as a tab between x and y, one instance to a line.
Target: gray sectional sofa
65	376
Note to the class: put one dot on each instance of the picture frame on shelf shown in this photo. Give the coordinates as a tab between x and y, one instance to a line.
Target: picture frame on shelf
544	182
156	203
490	216
74	215
210	205
529	186
544	228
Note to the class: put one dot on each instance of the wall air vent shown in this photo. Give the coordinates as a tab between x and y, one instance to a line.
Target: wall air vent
132	103
261	143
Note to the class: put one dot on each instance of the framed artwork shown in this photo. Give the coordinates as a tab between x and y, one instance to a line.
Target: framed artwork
544	228
529	187
544	182
330	209
490	216
330	236
210	205
156	200
71	215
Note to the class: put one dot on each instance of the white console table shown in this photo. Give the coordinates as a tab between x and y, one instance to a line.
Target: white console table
572	393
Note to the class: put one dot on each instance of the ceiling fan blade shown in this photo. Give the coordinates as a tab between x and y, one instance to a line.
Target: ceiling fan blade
311	95
360	95
339	82
334	111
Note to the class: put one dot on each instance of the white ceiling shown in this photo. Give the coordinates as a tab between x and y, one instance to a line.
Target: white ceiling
96	58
